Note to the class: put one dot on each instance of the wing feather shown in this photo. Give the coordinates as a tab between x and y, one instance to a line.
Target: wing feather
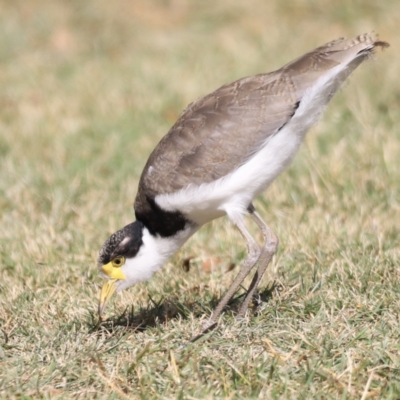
219	132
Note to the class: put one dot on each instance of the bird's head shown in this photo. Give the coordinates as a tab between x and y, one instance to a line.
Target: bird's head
122	261
133	254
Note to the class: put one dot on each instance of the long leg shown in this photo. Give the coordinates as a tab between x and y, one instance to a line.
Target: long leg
271	242
253	254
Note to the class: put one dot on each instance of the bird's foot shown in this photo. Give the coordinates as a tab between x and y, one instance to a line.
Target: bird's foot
240	317
207	327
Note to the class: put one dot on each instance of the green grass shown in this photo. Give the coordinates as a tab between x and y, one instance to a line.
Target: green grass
87	90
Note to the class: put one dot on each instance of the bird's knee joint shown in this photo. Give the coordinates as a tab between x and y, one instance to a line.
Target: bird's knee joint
272	244
254	253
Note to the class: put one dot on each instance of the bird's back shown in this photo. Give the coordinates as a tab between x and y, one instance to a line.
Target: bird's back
221	131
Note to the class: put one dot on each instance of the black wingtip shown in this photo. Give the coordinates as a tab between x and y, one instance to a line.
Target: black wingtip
380	43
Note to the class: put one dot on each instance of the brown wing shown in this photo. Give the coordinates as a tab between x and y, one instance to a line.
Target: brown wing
220	131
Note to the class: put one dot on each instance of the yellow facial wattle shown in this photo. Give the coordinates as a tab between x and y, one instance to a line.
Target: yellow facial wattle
113	268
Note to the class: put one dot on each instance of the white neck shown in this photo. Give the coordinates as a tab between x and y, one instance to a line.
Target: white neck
153	254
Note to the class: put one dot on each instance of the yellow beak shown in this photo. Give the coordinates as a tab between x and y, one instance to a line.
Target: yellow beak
106	293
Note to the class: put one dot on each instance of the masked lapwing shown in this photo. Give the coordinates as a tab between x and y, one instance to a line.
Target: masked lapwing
224	150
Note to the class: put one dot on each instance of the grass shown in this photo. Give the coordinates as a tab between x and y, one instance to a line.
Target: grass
88	88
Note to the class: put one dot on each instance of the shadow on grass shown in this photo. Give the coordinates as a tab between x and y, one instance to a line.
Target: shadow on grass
171	308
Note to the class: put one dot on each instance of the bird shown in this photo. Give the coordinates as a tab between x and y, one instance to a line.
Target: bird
224	150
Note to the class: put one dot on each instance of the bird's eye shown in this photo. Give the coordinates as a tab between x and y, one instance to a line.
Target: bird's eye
118	262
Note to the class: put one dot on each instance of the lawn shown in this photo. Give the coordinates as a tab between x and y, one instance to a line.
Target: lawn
87	90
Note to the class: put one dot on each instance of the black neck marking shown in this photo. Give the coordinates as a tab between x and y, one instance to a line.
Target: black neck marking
158	221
